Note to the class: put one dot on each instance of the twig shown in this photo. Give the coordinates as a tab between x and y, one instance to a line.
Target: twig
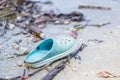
99	25
47	2
23	74
93	7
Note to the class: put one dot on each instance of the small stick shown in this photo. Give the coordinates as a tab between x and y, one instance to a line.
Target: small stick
23	74
47	2
93	7
99	25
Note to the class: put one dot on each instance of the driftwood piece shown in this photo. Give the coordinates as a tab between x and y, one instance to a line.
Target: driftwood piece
93	7
99	25
52	73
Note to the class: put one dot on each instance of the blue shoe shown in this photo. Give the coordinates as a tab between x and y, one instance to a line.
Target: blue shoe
50	50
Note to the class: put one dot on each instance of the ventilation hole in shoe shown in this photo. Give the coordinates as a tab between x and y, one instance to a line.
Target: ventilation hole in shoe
38	48
69	40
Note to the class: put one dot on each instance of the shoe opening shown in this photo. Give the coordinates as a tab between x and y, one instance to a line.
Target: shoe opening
40	52
46	45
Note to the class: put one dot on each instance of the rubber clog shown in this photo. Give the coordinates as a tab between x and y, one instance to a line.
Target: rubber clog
51	49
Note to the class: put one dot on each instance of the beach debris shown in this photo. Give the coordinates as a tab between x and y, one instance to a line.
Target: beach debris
62	18
74	33
81	26
27	14
105	74
78	27
93	7
95	41
7	12
21	64
23	54
73	67
73	16
67	22
78	58
83	46
15	46
11	26
13	68
99	25
37	32
24	77
46	2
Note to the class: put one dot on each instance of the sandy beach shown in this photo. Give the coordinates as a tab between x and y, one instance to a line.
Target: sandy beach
95	58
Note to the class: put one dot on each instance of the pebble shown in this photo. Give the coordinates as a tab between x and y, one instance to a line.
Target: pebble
43	36
7	77
57	22
74	69
23	49
27	22
18	18
66	22
11	26
1	47
15	46
13	68
21	64
41	26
